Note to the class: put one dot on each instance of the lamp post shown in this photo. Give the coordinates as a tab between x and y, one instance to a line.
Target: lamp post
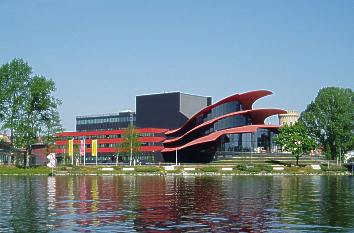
131	151
117	158
84	152
176	155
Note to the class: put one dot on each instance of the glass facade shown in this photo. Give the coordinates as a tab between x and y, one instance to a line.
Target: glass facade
231	122
258	142
225	123
243	142
223	109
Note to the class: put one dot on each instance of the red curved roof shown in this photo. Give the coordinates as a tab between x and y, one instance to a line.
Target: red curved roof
247	99
214	136
258	116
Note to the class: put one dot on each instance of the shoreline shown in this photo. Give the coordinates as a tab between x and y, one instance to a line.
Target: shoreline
180	174
187	170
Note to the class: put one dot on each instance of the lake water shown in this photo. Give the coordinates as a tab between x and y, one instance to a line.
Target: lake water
177	204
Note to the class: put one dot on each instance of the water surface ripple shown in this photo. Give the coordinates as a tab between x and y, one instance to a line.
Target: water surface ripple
176	204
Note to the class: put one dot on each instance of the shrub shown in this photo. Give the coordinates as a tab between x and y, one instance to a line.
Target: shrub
209	169
254	168
241	167
333	168
147	169
260	168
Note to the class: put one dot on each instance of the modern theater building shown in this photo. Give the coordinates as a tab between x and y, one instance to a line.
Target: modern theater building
183	124
226	128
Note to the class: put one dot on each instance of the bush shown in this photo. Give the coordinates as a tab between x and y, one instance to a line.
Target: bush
209	169
260	168
254	168
147	169
333	168
241	167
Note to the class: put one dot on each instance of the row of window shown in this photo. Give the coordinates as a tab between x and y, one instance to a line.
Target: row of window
105	120
112	158
248	142
113	145
229	107
108	136
229	122
223	109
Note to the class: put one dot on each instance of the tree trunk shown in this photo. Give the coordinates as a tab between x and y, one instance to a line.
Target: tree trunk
333	152
297	160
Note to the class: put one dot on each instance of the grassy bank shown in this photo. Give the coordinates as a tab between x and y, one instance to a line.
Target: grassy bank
243	169
12	170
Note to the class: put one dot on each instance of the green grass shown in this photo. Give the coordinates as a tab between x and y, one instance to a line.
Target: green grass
12	170
237	169
333	168
149	169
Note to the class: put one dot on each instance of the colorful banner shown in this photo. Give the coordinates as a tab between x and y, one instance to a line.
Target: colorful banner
82	147
71	147
94	148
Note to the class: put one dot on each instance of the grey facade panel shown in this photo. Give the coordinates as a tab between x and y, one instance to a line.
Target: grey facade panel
191	104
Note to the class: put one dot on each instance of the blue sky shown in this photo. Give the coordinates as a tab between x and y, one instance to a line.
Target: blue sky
103	53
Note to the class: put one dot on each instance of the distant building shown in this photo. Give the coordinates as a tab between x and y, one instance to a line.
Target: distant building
4	148
289	118
168	110
105	121
151	145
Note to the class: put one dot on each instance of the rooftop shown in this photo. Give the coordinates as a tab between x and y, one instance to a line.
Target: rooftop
105	115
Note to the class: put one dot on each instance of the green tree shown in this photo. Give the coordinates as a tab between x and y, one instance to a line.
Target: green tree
14	79
295	139
330	119
130	145
27	106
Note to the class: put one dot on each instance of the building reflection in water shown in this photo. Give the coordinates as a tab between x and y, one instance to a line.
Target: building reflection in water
141	203
176	203
167	203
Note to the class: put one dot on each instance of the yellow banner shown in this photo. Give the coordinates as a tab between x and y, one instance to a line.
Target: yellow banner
94	148
71	147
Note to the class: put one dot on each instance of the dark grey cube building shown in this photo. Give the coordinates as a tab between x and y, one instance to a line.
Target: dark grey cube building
167	110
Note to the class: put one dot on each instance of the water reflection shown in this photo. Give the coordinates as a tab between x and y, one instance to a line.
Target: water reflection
176	204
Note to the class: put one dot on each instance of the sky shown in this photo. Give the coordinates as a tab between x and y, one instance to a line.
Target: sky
102	53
